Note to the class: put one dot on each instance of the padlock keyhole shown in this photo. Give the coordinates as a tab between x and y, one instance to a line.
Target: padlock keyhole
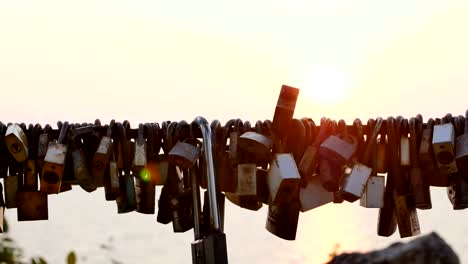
51	177
445	157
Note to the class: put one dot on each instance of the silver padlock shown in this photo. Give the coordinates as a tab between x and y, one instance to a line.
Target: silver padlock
314	195
443	144
17	143
373	196
139	159
355	184
283	178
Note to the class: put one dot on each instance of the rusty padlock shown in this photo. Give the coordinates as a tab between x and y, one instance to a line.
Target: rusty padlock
54	163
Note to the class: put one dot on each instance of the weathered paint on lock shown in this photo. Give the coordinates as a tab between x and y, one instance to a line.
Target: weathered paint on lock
32	206
373	195
285	107
114	175
160	170
314	195
30	176
80	169
139	159
56	153
11	188
256	143
16	142
52	171
355	183
337	150
308	162
407	217
184	155
405	151
283	178
247	180
443	144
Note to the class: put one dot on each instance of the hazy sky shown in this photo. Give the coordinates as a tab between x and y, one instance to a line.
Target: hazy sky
172	60
152	61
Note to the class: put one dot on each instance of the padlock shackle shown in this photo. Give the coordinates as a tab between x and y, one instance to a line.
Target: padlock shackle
196	204
63	133
395	166
110	128
372	140
141	135
414	139
208	151
465	131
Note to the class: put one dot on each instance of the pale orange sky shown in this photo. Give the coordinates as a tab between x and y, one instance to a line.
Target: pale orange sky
152	61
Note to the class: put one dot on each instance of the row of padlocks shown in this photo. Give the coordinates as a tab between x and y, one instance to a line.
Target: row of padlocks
291	165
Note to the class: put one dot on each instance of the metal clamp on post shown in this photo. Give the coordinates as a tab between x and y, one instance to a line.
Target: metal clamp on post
211	248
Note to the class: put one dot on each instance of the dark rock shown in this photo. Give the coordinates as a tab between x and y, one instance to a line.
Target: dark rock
428	249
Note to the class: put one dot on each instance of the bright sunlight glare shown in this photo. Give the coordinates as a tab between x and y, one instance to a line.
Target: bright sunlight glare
326	84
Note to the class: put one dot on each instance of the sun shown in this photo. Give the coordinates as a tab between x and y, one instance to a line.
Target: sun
327	84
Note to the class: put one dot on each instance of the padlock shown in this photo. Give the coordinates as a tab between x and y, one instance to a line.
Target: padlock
380	153
443	144
101	157
112	182
282	220
419	185
284	110
355	183
31	203
331	151
16	142
184	155
80	163
69	178
2	209
164	215
30	181
11	188
373	195
263	192
427	160
314	195
226	173
461	150
3	152
139	157
144	184
283	178
257	144
44	140
398	176
246	191
310	157
405	211
405	159
387	222
126	201
337	150
54	163
457	192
